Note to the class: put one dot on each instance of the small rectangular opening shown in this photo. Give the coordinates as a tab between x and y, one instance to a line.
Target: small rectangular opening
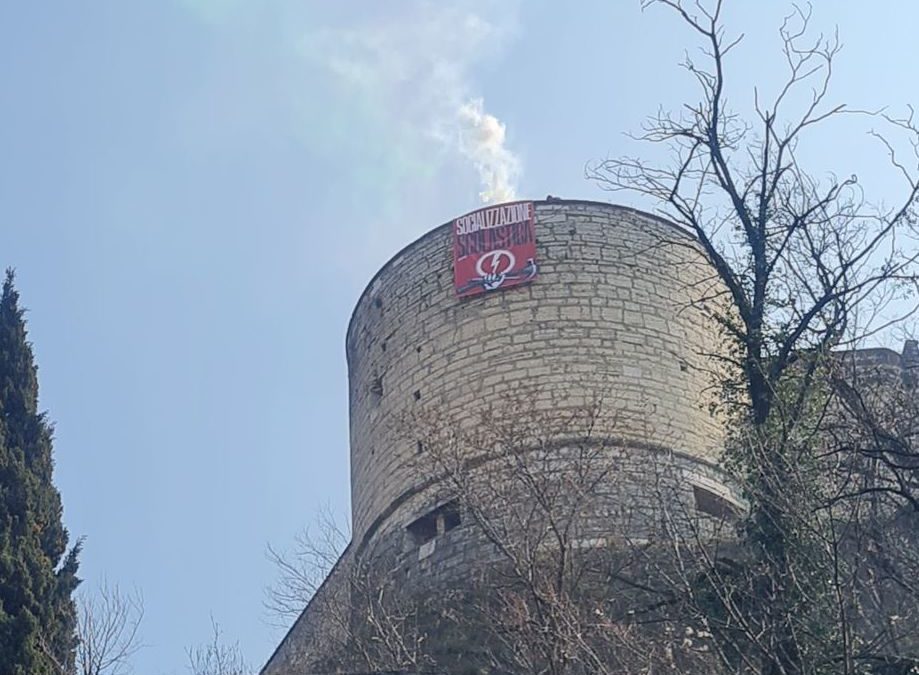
424	529
376	389
451	515
713	504
434	523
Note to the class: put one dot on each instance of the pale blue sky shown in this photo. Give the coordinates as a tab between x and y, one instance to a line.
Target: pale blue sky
194	193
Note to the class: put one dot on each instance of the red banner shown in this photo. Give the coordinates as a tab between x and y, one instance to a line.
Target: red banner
494	247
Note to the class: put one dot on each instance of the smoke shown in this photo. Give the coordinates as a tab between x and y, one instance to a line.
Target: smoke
482	141
413	69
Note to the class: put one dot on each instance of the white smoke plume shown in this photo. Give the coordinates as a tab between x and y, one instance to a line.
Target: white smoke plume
482	141
412	68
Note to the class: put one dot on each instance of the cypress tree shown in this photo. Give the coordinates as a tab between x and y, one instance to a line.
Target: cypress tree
37	572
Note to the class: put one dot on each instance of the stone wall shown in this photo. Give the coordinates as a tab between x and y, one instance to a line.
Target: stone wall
645	489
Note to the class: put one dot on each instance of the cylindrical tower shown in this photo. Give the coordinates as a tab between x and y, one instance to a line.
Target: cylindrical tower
613	313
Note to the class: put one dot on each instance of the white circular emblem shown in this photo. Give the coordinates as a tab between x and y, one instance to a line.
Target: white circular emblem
493	267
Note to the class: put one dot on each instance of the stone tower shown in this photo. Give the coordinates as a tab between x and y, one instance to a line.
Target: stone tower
613	314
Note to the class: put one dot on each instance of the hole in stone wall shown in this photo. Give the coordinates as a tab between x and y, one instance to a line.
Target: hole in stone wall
417	394
713	504
435	523
424	529
378	303
376	388
419	448
451	515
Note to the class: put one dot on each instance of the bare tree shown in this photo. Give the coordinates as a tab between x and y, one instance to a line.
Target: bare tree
587	563
807	265
108	630
303	567
364	622
217	657
797	256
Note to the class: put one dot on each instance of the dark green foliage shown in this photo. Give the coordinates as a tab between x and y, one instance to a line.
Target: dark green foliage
37	572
